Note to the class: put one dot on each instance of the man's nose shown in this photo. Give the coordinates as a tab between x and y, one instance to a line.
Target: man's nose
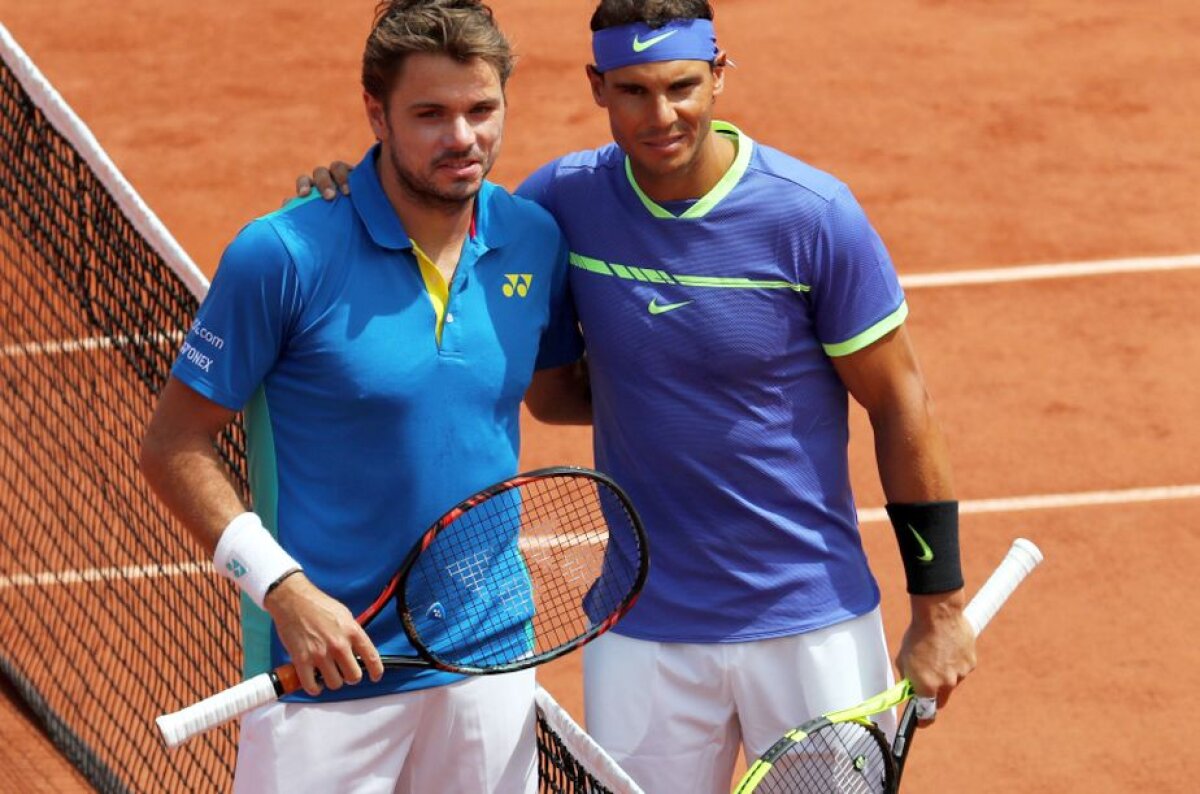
459	134
664	111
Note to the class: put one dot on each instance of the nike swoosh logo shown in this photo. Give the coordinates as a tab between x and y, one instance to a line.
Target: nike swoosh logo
662	308
642	46
926	552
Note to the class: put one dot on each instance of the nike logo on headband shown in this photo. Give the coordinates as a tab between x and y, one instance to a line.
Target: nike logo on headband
642	46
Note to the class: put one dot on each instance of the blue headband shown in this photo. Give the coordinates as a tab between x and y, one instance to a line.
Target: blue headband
678	40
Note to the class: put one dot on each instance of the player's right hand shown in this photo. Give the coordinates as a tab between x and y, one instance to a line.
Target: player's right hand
321	636
938	649
327	180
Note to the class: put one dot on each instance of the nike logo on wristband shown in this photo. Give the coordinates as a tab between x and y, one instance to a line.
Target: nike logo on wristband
926	554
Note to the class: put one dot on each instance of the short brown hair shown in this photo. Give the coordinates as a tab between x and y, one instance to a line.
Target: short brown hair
462	29
655	13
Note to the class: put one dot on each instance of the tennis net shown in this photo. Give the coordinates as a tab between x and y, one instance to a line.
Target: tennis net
109	613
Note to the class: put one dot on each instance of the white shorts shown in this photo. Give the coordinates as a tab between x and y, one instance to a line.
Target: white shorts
475	735
674	714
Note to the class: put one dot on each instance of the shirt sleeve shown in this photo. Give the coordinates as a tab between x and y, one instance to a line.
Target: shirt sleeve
856	293
562	342
240	328
538	186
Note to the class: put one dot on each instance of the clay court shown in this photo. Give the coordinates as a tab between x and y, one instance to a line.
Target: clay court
981	138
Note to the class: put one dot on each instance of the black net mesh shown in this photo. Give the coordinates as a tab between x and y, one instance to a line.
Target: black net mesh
559	771
100	589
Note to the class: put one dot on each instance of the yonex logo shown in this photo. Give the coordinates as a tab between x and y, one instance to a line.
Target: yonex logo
662	308
518	284
926	554
642	46
236	568
196	357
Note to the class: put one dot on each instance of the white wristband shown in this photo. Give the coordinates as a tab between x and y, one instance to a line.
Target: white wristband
250	557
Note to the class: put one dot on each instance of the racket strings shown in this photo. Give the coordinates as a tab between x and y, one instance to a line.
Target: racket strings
527	573
840	758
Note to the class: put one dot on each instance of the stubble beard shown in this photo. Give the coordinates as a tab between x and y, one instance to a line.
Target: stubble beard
423	190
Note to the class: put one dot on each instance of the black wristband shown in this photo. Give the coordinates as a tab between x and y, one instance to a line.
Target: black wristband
928	536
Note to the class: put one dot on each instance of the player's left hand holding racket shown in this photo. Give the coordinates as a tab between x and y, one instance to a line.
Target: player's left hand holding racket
843	751
519	574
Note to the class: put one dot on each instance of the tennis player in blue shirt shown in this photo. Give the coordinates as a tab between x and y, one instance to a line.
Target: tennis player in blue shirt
731	297
380	346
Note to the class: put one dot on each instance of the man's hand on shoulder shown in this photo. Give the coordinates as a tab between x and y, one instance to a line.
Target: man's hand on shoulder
329	181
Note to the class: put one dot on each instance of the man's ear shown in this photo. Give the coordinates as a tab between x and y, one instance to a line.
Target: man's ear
596	81
718	72
376	115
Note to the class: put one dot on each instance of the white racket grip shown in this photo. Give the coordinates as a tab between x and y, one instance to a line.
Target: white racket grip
213	711
1023	556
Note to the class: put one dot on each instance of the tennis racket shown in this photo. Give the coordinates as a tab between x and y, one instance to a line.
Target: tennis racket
843	751
519	574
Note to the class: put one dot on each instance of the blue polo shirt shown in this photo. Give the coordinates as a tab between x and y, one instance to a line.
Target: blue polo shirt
363	425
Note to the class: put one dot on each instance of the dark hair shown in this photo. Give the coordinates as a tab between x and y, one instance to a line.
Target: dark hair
462	29
655	13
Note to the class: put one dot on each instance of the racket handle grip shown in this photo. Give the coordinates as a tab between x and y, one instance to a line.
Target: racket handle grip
1023	556
219	708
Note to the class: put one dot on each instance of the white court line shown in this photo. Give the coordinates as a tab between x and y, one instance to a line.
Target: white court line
875	514
205	568
1038	272
1016	504
64	347
100	574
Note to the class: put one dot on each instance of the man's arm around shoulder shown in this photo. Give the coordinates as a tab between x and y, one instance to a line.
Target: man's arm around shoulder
561	395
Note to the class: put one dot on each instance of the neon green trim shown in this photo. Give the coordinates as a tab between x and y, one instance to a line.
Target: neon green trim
721	282
264	489
589	264
871	335
881	702
630	273
719	191
647	202
754	776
